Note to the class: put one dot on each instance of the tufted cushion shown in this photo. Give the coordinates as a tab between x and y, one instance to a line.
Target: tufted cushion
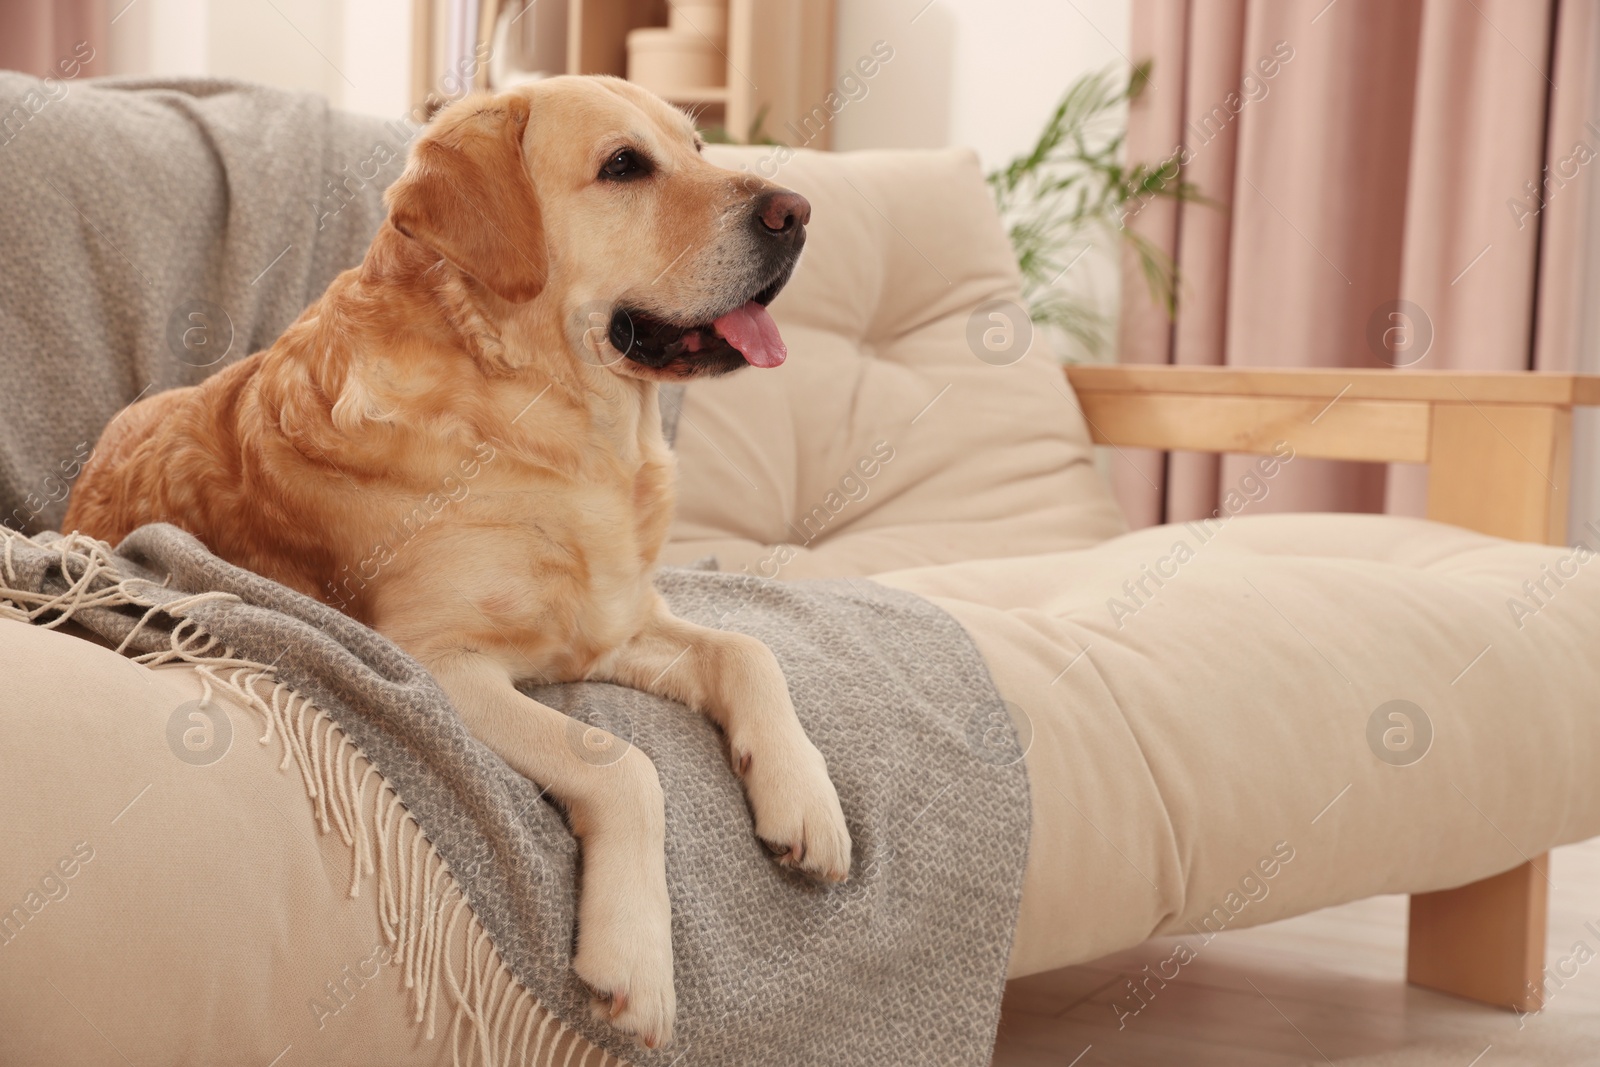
1222	748
884	441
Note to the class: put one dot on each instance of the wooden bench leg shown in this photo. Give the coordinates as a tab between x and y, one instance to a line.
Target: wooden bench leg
1484	941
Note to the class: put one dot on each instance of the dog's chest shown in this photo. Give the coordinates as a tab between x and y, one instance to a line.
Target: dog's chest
560	574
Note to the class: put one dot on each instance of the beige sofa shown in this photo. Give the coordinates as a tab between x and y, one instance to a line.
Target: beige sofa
1208	708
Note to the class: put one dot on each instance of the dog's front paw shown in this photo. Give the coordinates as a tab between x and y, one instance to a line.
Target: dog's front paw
631	977
632	987
797	811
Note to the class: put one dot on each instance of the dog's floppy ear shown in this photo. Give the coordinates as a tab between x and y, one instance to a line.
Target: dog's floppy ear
466	194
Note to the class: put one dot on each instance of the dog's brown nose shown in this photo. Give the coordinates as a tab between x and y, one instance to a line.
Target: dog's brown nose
782	212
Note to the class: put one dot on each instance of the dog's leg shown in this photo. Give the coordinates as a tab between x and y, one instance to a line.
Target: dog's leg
736	681
613	801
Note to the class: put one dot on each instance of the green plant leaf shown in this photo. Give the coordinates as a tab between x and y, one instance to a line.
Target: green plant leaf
1073	184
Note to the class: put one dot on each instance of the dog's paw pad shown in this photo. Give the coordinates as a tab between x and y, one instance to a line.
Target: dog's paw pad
634	997
799	820
649	1023
787	855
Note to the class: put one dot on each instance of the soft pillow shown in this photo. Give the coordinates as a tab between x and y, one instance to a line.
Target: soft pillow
885	441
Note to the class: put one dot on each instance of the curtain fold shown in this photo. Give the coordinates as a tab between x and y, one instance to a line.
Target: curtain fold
37	36
1144	335
1365	166
1204	251
1565	287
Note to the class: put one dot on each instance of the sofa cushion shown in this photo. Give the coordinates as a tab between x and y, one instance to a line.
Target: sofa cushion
884	441
1286	713
168	879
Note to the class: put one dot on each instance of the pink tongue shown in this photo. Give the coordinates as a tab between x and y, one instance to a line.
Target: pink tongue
751	330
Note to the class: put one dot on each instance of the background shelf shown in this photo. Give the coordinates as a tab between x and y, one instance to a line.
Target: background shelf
779	57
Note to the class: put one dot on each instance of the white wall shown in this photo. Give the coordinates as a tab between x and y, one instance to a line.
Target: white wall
377	56
981	73
160	37
355	52
984	73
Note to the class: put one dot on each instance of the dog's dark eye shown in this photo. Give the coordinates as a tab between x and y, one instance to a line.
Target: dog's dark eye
625	165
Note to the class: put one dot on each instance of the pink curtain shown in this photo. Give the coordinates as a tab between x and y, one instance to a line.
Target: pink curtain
1367	165
38	36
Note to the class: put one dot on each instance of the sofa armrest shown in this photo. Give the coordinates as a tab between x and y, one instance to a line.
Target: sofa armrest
1498	446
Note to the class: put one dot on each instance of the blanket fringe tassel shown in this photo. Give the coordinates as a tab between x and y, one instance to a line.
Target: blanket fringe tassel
432	933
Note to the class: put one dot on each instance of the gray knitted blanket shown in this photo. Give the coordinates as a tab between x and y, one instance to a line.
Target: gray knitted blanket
903	964
152	234
128	210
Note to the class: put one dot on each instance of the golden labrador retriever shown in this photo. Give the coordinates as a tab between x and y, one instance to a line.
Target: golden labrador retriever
551	254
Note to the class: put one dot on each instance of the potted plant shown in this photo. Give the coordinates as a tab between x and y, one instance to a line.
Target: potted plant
1071	191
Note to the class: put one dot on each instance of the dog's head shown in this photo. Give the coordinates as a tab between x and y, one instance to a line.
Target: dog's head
588	199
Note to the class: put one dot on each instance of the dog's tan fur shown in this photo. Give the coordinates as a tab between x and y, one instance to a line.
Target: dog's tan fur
442	448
